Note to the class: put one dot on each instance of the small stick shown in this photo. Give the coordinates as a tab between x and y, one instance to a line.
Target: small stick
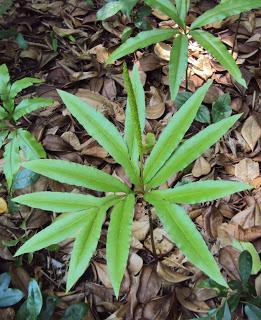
151	235
237	29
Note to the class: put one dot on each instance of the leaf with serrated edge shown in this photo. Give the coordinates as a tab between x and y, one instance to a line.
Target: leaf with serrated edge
191	149
219	51
101	129
167	7
173	133
142	40
201	191
59	201
76	174
223	10
85	245
11	160
31	147
118	240
178	64
183	232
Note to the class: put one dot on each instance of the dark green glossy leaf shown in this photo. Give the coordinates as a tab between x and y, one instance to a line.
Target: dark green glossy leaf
252	312
221	109
109	10
245	266
76	312
8	296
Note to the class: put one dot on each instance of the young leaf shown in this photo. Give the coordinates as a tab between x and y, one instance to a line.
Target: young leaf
8	296
167	7
31	147
178	64
77	174
223	10
3	113
183	8
11	160
221	109
118	240
59	201
22	84
109	10
183	232
245	266
142	40
34	301
133	109
85	245
3	136
62	228
4	80
191	149
173	133
201	191
219	51
100	129
29	105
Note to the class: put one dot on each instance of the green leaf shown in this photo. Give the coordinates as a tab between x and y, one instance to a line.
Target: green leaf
11	160
24	178
101	130
127	6
183	232
142	40
167	7
178	64
173	133
76	311
245	266
3	136
85	245
221	108
29	105
34	301
59	201
219	51
20	40
118	240
5	6
109	10
252	312
224	10
22	84
201	191
8	296
4	81
3	114
66	226
192	148
183	8
77	174
48	308
31	147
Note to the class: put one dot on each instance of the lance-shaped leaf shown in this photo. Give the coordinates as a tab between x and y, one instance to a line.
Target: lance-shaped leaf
22	84
3	136
11	160
167	7
31	147
183	232
3	113
60	201
62	228
178	64
201	191
118	240
76	174
142	40
101	129
192	149
183	8
219	51
85	245
173	133
225	9
4	79
29	105
109	10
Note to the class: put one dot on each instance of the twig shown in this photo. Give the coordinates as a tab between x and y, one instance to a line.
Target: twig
237	29
151	235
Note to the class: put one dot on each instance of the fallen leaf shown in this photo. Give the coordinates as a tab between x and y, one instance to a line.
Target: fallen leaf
201	167
156	106
251	131
3	205
247	170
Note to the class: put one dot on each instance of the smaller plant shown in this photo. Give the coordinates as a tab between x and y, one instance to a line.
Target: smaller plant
8	296
12	137
239	291
112	7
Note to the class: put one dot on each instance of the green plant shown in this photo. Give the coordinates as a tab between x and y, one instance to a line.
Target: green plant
112	7
239	291
179	53
84	214
8	296
12	137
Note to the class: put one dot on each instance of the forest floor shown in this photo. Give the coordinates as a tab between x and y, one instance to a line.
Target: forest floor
68	47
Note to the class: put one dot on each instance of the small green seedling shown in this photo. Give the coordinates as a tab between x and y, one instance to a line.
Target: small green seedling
179	53
12	137
239	291
85	214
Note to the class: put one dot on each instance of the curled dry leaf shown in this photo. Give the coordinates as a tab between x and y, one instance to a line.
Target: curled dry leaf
169	275
135	263
228	258
251	131
247	170
162	243
156	106
158	308
100	52
187	299
212	95
149	285
201	167
3	205
162	50
212	219
140	228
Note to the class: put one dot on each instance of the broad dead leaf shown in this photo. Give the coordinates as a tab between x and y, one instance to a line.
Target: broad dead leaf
251	131
247	170
201	167
3	205
156	106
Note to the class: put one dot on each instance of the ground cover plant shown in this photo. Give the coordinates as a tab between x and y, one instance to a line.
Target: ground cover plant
179	53
85	214
12	137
